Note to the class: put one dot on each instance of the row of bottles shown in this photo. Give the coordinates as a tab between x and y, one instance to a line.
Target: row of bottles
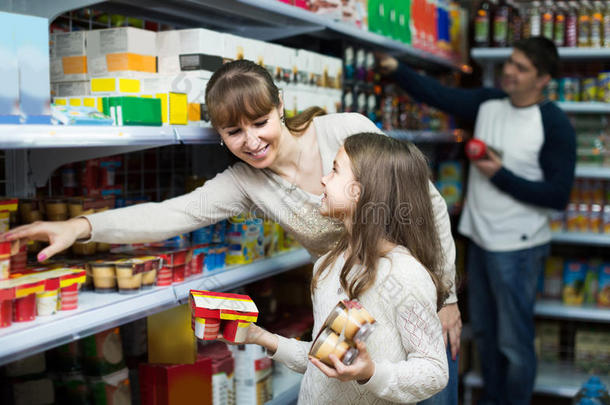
584	23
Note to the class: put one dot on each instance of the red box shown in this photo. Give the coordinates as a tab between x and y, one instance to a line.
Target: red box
176	384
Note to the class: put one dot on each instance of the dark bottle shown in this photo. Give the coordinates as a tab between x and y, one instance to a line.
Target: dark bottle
500	27
482	23
571	24
515	25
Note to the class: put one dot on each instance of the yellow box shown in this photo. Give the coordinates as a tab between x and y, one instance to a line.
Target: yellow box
75	101
60	100
194	112
95	102
174	108
115	85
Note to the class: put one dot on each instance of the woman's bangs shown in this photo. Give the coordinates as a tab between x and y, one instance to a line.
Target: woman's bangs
242	100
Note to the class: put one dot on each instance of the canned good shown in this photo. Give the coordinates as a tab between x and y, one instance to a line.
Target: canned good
589	89
552	90
104	276
603	83
569	89
556	221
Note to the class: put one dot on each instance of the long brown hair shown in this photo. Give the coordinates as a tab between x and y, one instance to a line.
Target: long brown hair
242	89
394	205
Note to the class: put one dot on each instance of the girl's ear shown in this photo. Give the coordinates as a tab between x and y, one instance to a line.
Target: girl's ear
354	189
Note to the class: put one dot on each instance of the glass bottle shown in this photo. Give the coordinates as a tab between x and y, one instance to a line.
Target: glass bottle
547	18
482	19
572	24
559	36
597	16
515	26
534	18
500	27
607	24
584	24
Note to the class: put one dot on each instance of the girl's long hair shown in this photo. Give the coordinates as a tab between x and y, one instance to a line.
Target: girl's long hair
242	89
394	205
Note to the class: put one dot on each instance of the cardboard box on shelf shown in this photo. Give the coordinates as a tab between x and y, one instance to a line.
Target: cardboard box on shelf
69	68
133	110
114	86
171	44
174	108
170	337
117	51
72	89
177	384
68	56
236	48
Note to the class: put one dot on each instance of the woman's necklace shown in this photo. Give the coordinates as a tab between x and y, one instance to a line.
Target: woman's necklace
293	184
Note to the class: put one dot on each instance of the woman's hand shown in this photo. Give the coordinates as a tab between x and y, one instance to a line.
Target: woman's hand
360	370
257	336
60	235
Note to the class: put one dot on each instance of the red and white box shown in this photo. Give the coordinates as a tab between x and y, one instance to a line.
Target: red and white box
229	314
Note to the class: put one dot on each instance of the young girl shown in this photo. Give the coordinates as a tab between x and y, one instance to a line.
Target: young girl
389	259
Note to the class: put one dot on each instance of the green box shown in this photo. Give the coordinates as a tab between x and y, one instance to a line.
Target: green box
135	110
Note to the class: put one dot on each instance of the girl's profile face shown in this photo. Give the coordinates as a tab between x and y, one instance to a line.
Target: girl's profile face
341	190
255	141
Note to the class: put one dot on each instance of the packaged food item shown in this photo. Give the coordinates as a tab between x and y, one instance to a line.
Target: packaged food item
5	260
253	375
549	334
591	282
603	296
47	301
229	314
589	89
556	221
151	267
104	276
112	389
103	353
347	322
56	209
553	277
129	275
78	115
569	89
573	282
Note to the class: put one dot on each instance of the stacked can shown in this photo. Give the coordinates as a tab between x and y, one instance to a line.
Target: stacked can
347	323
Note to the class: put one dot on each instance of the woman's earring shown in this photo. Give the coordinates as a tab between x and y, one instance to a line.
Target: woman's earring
283	120
221	142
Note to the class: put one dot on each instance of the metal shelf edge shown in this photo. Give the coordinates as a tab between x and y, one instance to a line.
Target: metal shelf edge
581	238
593	172
555	309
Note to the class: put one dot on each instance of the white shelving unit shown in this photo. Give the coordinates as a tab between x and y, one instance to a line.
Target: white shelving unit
556	309
595	107
594	172
578	238
97	312
501	54
552	379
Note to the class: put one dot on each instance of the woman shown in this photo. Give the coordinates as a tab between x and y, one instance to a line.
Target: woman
283	160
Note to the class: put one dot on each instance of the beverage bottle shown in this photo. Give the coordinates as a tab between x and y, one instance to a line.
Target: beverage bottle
584	24
607	24
535	19
547	18
515	25
482	19
500	26
572	24
559	36
597	16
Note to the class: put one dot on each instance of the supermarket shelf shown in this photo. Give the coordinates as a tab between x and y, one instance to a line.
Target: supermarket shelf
354	33
500	54
99	312
288	396
555	309
585	107
596	172
579	238
235	276
59	136
552	379
428	136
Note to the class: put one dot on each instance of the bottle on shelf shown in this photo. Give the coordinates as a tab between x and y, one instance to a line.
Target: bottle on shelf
501	19
482	24
547	19
559	36
571	37
607	24
584	24
533	21
597	19
515	26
